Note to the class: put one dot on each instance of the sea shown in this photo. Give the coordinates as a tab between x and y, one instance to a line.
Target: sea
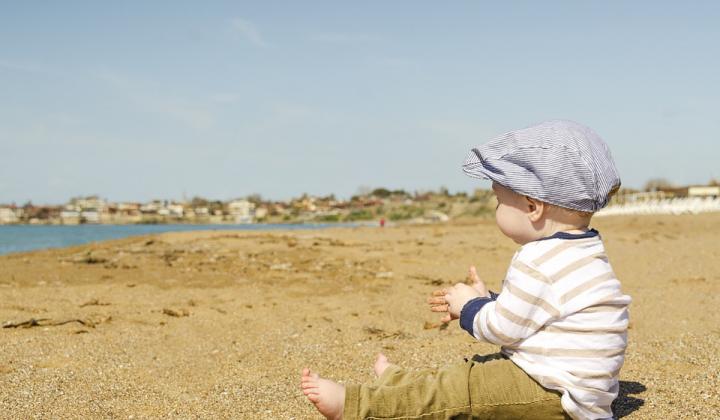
19	238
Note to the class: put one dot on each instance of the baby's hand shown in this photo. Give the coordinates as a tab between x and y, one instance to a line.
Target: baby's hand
439	304
474	280
457	296
453	299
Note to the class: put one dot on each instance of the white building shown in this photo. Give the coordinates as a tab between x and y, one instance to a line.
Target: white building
437	216
86	203
176	210
153	207
70	216
704	191
7	215
90	215
201	211
241	211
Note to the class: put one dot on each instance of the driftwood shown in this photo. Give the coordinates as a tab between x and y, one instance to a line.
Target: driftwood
94	302
46	322
176	313
380	333
32	322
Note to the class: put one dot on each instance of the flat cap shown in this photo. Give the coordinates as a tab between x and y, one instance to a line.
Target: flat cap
559	162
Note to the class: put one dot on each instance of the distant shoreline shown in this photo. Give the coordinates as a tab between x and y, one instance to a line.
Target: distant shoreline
181	223
33	237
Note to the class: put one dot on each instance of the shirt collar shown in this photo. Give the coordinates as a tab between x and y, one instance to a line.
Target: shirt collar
565	235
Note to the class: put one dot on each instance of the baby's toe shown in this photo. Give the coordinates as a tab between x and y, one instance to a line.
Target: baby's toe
308	385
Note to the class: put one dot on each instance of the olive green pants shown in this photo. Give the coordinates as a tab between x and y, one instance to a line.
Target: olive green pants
486	387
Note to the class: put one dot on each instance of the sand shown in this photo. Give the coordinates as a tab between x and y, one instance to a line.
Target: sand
219	324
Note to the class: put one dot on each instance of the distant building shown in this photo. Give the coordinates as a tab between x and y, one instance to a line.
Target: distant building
92	202
437	216
261	212
84	210
90	215
176	210
278	209
155	207
704	191
126	212
308	204
128	209
241	211
201	211
69	216
8	215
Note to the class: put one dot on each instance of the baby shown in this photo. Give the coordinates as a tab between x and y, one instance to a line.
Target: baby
560	319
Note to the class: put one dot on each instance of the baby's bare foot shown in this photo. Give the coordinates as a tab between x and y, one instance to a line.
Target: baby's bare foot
328	396
381	364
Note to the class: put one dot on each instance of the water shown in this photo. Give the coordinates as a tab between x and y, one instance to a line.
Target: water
17	238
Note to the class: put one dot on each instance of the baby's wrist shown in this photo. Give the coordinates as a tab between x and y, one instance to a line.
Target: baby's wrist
470	310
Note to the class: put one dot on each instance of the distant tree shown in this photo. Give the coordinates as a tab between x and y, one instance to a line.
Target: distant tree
381	192
624	191
328	218
356	215
714	182
482	196
42	213
422	194
254	198
657	184
198	202
216	205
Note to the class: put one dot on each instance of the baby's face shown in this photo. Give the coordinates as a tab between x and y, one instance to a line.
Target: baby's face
511	215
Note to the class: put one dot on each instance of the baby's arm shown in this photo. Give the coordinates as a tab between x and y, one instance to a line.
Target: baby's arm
525	305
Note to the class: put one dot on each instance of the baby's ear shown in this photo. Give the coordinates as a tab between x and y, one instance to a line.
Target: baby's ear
530	204
536	209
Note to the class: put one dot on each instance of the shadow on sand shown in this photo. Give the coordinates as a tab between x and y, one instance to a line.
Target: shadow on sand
624	404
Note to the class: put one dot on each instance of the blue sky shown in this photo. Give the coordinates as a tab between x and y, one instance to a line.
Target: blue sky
141	100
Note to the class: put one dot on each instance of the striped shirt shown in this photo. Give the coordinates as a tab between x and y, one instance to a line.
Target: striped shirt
562	318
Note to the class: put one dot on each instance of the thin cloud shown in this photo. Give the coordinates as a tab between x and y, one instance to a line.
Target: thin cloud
188	112
343	38
248	31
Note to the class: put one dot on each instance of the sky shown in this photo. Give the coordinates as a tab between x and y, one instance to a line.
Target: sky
139	100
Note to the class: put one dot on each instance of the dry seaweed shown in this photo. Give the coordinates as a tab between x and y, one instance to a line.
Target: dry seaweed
94	302
176	313
46	322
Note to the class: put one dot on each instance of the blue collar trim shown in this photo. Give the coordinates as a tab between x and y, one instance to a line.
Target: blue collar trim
564	235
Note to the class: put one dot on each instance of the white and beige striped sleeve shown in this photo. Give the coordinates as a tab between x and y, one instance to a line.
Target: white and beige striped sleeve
526	303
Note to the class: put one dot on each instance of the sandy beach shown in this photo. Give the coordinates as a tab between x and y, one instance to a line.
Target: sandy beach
219	324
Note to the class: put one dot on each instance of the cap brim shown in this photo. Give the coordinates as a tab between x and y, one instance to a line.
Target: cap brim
474	167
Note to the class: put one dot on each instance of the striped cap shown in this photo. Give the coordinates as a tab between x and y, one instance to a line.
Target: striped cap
559	162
